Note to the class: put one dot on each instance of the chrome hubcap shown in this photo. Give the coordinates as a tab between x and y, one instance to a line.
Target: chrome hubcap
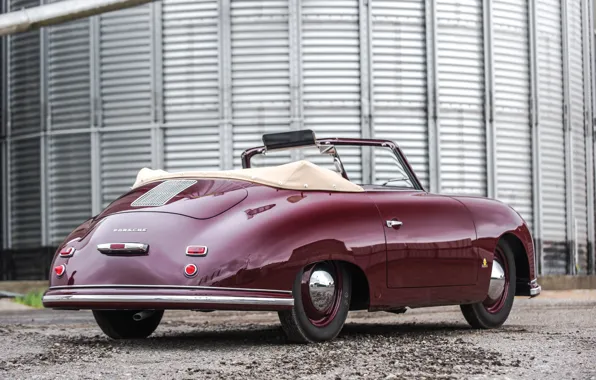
321	288
497	282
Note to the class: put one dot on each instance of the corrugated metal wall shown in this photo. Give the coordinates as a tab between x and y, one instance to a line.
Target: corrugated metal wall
191	84
399	78
490	98
25	118
461	96
552	136
577	135
3	145
69	109
512	104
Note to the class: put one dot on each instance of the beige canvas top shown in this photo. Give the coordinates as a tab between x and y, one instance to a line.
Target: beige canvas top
299	175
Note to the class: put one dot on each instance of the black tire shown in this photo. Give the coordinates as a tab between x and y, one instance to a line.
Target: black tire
297	325
483	316
119	324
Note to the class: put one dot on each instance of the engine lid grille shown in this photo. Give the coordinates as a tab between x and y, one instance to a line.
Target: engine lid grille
162	193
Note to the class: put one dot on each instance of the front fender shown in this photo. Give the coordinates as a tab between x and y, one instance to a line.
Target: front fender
495	220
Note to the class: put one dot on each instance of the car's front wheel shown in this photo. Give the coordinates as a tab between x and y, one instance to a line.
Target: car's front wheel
322	294
128	324
495	309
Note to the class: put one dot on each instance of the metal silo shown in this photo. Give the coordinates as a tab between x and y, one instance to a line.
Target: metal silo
490	98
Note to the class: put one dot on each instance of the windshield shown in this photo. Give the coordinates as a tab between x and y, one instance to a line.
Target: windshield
346	159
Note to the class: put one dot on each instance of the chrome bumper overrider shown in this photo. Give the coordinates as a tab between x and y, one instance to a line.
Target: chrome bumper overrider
167	299
535	289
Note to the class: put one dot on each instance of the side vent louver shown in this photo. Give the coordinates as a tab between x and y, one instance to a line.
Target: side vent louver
162	193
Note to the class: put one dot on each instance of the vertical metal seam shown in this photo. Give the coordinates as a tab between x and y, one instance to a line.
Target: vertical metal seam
568	153
365	94
436	98
96	117
535	128
430	95
157	148
371	86
5	169
589	133
152	58
225	67
300	72
8	112
4	172
43	138
295	68
489	122
592	124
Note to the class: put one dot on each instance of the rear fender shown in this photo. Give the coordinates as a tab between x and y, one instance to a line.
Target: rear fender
295	229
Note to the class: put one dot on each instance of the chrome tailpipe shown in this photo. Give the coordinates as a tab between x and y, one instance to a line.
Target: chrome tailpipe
143	315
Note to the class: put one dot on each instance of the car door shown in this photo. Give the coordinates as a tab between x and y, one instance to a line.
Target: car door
428	239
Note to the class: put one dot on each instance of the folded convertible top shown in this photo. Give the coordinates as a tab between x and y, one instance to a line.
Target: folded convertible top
300	175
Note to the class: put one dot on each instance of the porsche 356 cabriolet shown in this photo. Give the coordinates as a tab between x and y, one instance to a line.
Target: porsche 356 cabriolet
309	241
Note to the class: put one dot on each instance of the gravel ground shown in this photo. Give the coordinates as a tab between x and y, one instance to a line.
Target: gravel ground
552	336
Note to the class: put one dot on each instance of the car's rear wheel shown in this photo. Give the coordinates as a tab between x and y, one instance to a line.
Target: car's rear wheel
122	324
495	309
322	294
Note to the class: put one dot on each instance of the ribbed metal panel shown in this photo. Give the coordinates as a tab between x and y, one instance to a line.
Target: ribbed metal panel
125	67
123	154
69	95
191	72
4	192
461	96
331	75
69	105
191	62
399	80
260	73
511	53
578	132
552	137
191	149
24	77
3	145
25	188
69	184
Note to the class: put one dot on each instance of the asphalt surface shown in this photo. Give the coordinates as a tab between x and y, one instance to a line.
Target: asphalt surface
549	337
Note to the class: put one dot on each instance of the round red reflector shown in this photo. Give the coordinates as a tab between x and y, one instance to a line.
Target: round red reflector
60	270
190	270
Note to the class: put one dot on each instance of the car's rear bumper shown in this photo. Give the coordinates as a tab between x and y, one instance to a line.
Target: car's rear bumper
133	297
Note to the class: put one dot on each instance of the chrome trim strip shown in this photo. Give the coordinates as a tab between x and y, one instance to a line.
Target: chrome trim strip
229	300
128	247
166	287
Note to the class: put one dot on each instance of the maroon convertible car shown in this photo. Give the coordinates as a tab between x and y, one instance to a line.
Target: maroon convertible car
310	241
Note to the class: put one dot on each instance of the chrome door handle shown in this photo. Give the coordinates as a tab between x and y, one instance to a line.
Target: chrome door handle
394	223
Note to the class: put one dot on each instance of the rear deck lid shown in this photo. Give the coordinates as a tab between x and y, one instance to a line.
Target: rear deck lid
196	198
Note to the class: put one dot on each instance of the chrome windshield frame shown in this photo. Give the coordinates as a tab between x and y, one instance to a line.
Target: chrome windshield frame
321	143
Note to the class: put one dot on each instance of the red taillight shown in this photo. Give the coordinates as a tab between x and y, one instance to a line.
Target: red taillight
190	270
67	252
117	246
60	270
196	250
